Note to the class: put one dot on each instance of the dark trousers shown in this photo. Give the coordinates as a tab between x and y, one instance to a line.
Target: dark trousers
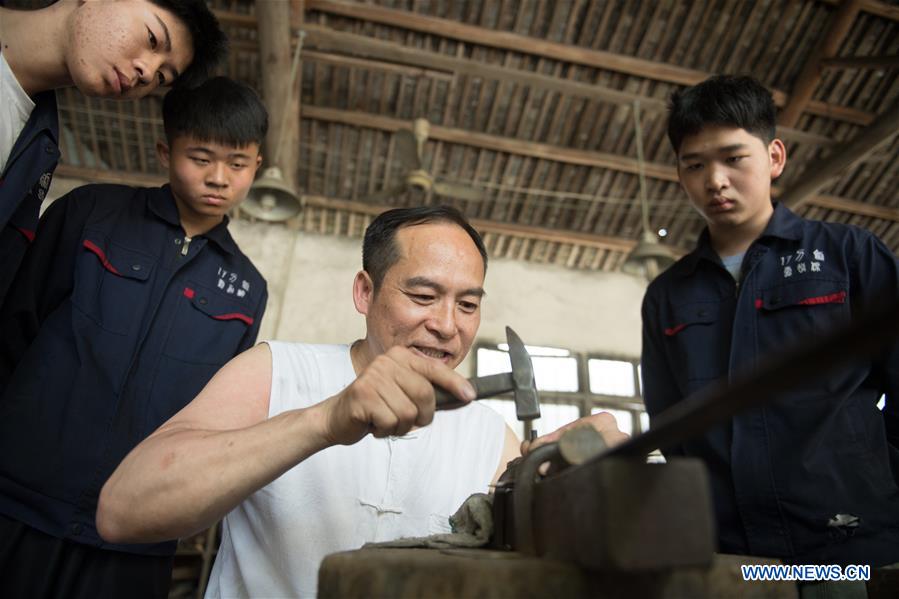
35	565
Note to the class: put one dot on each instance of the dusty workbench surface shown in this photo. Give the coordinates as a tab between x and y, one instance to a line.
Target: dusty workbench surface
462	573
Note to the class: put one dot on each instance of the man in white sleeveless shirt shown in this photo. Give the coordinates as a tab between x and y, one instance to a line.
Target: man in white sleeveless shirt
251	447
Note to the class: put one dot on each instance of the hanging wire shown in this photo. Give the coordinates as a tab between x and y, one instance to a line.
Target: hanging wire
638	132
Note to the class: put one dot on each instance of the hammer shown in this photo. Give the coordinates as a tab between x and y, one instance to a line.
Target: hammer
520	382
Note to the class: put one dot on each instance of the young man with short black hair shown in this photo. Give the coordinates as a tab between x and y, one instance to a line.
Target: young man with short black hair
127	303
811	478
116	49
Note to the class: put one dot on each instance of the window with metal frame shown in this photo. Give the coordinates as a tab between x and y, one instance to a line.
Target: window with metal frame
571	385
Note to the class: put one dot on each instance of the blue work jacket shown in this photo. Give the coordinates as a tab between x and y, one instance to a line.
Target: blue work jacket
24	184
811	477
114	323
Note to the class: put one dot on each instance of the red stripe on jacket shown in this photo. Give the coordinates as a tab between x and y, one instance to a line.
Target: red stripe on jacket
235	316
672	331
28	233
100	254
834	298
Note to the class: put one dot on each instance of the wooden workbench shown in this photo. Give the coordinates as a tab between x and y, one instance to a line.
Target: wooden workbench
486	574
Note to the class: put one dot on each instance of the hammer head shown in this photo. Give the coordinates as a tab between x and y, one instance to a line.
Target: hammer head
527	406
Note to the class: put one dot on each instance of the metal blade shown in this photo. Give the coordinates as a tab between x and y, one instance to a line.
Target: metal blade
527	405
407	150
461	192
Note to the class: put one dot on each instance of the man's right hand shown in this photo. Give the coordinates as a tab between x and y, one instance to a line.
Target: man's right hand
392	395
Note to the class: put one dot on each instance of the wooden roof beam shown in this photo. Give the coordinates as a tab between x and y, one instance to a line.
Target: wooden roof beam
855	207
514	42
496	143
842	158
324	38
810	76
615	244
861	62
876	7
567	155
329	40
276	57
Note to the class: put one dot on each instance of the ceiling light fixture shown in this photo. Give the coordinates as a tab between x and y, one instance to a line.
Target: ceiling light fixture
649	257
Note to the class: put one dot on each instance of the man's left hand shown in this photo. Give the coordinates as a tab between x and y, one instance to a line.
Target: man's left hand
604	423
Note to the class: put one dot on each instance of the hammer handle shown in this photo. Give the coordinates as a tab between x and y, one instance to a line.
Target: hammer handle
484	386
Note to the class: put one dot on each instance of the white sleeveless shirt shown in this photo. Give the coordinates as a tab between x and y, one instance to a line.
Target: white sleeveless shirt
345	496
15	109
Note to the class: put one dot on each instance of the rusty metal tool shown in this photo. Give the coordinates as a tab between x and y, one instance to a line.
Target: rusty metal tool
519	382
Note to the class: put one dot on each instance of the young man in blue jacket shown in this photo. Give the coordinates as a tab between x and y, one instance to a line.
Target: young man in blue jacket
110	49
813	477
127	302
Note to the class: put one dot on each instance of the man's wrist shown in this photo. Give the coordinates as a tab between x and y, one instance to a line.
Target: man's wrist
313	423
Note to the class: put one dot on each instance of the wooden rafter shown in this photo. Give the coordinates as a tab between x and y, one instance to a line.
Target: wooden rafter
615	244
275	37
549	152
842	158
389	53
599	59
861	62
854	207
876	7
324	38
810	76
519	147
460	137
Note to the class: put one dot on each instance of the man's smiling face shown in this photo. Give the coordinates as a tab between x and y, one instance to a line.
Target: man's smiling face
429	300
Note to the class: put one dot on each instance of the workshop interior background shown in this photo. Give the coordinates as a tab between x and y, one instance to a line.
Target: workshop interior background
532	108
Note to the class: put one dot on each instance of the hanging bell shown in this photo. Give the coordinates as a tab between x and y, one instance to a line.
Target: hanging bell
271	199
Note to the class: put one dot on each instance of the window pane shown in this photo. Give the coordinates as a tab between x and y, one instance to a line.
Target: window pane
553	416
624	418
644	421
550	373
555	374
492	361
539	350
506	409
611	377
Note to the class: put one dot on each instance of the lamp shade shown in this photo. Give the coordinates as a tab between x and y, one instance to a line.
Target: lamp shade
271	199
648	258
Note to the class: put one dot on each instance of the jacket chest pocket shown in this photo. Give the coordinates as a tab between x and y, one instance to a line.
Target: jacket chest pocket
698	343
112	284
790	313
208	328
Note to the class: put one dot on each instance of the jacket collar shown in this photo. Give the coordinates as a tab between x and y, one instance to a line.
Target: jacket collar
43	118
783	224
162	204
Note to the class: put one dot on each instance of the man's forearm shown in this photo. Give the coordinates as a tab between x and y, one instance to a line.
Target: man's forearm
183	480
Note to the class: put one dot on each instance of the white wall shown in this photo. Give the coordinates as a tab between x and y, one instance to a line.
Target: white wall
546	305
